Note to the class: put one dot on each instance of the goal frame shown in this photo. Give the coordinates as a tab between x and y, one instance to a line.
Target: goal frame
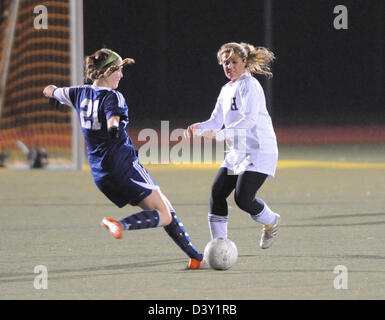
77	77
14	8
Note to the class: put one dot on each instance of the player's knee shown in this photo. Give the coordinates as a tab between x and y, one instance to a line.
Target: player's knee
217	195
165	217
243	202
219	208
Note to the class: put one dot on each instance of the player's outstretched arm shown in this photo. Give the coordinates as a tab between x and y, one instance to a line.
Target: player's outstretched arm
48	93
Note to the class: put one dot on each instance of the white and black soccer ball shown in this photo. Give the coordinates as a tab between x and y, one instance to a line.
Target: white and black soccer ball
221	253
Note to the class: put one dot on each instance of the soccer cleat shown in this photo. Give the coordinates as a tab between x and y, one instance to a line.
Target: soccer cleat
194	264
114	227
269	233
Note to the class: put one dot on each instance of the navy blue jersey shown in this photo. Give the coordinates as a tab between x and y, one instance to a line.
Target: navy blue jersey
95	105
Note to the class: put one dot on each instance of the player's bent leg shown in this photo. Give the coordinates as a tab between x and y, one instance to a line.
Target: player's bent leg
155	201
247	186
141	220
178	233
155	214
167	202
158	211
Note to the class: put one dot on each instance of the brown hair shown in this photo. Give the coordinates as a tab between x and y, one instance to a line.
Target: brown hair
258	58
97	68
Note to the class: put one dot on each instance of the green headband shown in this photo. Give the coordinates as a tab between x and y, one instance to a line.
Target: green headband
112	58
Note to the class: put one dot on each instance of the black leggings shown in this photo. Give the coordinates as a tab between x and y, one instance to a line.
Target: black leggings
246	186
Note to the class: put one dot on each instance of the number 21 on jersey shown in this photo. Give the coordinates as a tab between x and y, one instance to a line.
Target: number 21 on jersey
89	114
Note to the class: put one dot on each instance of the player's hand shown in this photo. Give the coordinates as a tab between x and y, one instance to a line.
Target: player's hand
48	91
191	131
208	134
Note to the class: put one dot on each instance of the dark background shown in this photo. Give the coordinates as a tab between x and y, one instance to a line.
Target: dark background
321	75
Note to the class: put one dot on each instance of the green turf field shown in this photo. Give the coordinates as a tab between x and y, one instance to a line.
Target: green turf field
333	213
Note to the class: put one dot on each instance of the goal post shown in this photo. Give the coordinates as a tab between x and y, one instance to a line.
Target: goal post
268	39
8	26
77	76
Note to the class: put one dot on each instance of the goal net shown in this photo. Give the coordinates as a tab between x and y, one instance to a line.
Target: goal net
35	47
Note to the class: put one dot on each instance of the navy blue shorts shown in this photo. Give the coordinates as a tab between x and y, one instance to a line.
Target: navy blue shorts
129	186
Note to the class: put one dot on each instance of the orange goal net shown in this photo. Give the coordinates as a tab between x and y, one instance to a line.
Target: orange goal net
34	55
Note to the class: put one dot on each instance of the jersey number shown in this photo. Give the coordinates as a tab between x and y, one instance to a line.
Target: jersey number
89	114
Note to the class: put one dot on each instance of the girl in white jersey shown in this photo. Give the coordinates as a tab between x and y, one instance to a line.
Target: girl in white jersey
240	117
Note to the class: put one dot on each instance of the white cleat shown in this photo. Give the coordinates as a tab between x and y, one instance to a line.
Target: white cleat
269	233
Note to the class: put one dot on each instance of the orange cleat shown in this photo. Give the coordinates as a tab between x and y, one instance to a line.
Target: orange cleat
194	264
113	226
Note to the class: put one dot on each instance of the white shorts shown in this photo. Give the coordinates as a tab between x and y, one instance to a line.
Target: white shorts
259	162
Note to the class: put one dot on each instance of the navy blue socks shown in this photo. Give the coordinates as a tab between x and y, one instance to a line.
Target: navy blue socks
141	220
178	233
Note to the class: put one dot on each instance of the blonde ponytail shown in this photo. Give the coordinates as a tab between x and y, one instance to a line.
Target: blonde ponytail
258	59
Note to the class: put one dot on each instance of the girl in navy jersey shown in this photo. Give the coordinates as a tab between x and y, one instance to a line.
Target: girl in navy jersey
103	116
241	118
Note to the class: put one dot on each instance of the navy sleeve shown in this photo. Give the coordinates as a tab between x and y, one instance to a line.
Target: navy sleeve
72	94
115	105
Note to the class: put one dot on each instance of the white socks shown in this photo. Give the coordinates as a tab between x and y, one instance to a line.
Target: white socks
217	226
266	217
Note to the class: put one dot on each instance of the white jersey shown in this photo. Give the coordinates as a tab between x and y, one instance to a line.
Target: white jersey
247	127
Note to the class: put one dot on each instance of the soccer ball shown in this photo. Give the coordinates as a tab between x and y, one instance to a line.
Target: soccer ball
221	253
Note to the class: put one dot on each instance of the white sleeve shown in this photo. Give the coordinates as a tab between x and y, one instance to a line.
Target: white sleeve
215	122
63	96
